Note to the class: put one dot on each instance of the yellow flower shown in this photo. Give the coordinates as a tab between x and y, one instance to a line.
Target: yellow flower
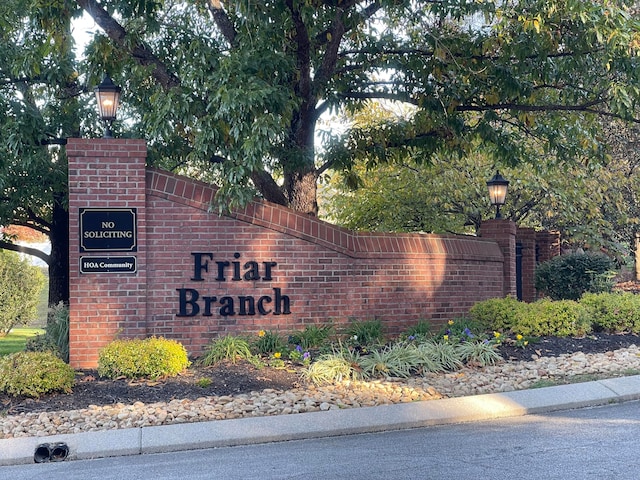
277	355
496	334
450	322
518	337
526	342
262	333
446	338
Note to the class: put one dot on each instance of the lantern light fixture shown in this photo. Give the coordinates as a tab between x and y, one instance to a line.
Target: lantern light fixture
108	98
498	186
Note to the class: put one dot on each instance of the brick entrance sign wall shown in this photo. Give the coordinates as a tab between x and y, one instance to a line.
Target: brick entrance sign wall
184	272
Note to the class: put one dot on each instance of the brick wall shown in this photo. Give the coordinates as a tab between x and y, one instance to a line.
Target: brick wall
200	275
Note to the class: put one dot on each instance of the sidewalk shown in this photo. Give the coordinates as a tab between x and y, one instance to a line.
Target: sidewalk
244	431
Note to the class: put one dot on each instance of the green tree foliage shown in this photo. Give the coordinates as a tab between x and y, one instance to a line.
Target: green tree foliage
593	204
39	109
20	286
232	92
240	86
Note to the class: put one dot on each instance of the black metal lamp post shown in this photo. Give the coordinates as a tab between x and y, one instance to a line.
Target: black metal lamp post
498	191
108	98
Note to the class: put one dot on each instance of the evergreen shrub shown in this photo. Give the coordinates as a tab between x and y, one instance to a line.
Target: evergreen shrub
562	318
497	314
617	312
33	374
542	318
567	277
151	358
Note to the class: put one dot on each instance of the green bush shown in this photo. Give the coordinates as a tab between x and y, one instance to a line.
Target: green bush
497	314
563	318
149	358
545	317
20	286
269	342
422	329
613	312
34	374
313	336
366	333
229	348
479	353
56	336
567	277
397	360
444	355
341	365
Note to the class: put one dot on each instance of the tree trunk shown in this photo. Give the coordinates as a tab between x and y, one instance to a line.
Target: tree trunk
301	190
59	263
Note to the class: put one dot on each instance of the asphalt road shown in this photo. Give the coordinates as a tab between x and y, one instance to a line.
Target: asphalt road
597	443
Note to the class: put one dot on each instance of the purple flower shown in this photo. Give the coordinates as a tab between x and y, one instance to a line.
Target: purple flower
468	333
299	348
306	355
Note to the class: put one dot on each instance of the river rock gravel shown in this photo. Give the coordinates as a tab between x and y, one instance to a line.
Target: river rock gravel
506	376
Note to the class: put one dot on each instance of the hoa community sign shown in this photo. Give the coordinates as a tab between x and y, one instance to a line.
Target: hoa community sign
108	230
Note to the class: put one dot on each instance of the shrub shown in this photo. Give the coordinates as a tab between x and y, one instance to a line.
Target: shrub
441	355
20	286
56	336
334	367
227	348
365	333
136	358
479	353
313	336
567	277
422	329
497	314
269	342
35	373
613	312
397	360
561	318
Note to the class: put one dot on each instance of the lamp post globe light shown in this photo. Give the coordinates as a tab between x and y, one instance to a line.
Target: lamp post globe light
498	191
108	98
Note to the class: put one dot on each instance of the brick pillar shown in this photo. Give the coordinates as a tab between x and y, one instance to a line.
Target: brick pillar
504	233
527	238
107	281
548	243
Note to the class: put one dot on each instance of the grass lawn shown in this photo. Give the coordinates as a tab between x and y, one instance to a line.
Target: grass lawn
16	339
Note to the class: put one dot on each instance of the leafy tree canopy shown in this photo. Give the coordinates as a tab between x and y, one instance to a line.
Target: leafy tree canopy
593	204
233	91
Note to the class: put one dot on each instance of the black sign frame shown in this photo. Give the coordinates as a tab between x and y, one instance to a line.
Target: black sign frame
108	229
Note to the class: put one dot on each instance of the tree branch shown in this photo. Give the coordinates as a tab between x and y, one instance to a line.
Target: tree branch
140	52
28	250
267	186
222	20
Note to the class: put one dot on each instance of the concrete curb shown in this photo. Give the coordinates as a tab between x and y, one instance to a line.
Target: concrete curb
253	430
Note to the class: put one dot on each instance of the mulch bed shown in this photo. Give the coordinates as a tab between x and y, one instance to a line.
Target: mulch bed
242	377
